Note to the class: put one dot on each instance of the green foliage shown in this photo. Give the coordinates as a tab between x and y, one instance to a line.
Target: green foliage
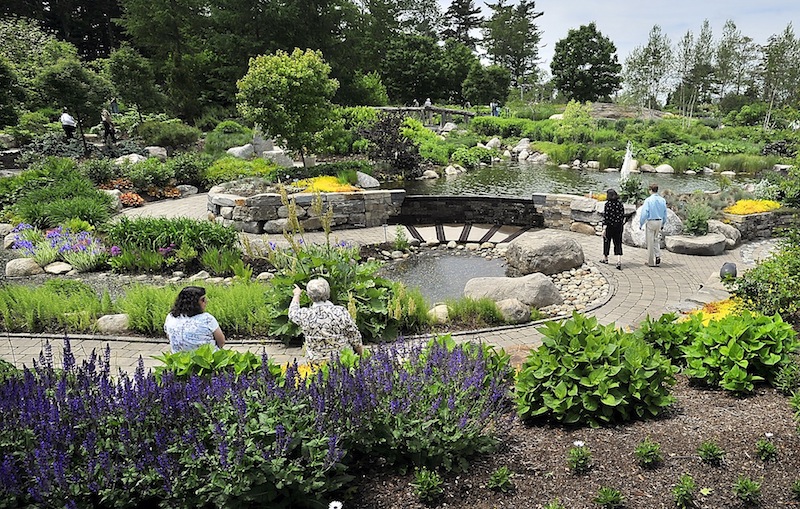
100	170
134	79
577	123
148	173
746	163
683	492
288	95
554	504
747	490
150	234
232	168
170	133
220	261
795	489
788	379
427	485
711	453
649	453
188	167
500	480
739	350
400	238
585	373
766	450
370	90
697	216
476	313
585	66
503	127
483	85
227	134
579	459
57	305
8	371
669	335
632	190
206	360
609	497
472	157
389	145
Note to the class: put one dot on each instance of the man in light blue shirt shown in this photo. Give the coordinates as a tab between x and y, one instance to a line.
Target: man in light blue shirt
654	218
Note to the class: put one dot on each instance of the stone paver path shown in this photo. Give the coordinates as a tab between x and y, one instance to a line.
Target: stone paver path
681	282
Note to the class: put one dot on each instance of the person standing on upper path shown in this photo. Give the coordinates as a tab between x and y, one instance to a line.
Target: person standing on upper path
188	326
327	327
108	127
68	124
654	216
613	220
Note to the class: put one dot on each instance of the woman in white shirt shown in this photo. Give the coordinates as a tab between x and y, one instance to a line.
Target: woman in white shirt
188	326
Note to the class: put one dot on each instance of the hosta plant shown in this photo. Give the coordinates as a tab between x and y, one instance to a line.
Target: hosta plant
585	373
207	359
669	335
739	350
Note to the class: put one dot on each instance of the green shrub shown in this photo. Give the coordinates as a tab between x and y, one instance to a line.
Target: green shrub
746	163
474	313
585	373
427	485
500	480
788	379
766	450
232	168
610	498
227	134
747	490
669	335
55	306
188	167
220	261
206	360
697	216
632	190
683	492
579	459
149	173
153	233
100	170
735	352
472	157
711	453
649	453
171	133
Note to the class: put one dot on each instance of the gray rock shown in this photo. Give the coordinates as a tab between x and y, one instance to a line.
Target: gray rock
733	237
159	152
539	159
523	155
130	159
534	290
544	252
187	190
647	168
278	157
584	228
494	143
58	268
265	276
664	168
7	141
593	165
260	144
711	244
449	126
367	181
9	240
276	226
523	144
632	235
514	311
243	152
452	170
116	204
19	267
439	314
429	174
113	324
5	229
200	275
452	244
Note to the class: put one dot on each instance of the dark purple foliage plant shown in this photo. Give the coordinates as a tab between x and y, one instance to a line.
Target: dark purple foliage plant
81	437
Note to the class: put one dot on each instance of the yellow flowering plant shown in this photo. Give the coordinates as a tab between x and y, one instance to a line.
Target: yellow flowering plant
718	309
744	207
325	184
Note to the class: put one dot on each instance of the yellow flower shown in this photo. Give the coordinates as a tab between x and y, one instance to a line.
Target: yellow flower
718	310
325	184
744	207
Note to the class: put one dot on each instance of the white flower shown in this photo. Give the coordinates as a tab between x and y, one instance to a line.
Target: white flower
335	505
768	434
578	443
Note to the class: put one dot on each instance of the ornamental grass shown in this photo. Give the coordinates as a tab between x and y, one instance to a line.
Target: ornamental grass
744	207
78	437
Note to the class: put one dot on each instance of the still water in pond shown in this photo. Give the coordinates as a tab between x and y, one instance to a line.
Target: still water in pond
442	275
514	179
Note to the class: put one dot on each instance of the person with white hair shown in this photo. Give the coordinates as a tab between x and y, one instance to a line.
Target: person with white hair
327	328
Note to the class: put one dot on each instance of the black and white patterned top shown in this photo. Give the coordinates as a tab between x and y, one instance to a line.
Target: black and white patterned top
327	328
614	213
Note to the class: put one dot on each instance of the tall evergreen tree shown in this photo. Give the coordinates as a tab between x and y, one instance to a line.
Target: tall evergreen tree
461	18
585	66
511	38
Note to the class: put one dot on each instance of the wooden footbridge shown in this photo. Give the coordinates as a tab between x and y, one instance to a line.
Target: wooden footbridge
425	114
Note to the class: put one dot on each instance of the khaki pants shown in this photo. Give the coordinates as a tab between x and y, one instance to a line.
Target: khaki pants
653	236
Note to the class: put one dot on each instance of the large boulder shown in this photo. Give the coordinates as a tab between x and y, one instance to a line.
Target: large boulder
534	290
159	152
57	268
523	144
279	157
514	311
711	244
367	181
115	194
544	252
130	159
5	229
634	236
733	237
243	152
439	313
113	324
20	267
664	168
494	143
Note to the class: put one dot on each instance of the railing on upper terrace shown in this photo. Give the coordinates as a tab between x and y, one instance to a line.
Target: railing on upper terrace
425	113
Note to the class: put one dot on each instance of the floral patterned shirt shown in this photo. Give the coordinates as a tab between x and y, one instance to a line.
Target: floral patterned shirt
614	213
326	327
190	332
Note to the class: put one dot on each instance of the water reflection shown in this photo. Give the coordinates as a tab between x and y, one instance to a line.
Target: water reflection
442	275
514	179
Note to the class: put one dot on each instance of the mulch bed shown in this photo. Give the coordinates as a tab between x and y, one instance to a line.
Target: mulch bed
537	454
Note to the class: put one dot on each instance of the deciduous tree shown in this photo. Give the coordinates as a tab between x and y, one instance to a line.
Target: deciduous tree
288	95
647	68
133	78
486	84
511	37
585	66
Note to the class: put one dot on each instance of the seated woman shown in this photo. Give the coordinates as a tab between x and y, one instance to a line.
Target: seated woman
327	328
188	326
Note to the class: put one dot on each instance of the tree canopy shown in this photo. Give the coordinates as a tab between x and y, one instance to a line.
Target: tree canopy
585	66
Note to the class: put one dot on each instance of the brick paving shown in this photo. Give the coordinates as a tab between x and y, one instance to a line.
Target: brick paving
681	282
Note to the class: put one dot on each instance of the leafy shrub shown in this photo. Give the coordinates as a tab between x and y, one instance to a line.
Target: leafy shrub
500	480
788	379
171	133
154	233
227	134
711	453
649	453
747	490
632	190
609	497
669	335
100	170
472	157
589	374
389	145
220	261
475	313
427	485
232	168
683	492
188	167
206	360
697	216
579	459
131	199
766	450
739	350
149	173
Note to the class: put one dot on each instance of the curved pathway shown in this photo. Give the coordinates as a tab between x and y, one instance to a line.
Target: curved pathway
682	282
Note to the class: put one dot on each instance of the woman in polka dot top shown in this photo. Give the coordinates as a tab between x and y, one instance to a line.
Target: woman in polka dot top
613	219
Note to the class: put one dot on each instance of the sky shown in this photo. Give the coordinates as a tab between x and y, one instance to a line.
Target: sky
628	23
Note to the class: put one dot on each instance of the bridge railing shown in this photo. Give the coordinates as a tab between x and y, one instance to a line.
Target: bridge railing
425	113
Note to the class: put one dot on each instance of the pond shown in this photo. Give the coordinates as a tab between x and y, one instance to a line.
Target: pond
514	179
442	275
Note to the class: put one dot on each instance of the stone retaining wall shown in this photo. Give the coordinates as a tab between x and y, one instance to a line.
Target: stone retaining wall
265	213
756	226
